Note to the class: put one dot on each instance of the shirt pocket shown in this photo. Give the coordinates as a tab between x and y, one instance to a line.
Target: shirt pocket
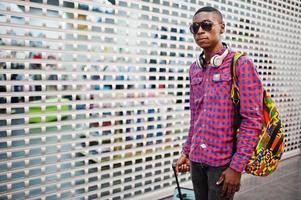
222	87
197	88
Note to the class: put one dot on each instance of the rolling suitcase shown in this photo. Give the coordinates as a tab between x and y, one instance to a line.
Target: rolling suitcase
181	193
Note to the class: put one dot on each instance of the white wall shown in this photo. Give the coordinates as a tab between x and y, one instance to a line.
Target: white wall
94	94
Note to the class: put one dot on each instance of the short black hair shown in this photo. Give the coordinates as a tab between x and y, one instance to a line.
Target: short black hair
209	9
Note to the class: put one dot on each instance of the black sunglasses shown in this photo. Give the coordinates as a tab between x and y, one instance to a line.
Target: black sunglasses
206	26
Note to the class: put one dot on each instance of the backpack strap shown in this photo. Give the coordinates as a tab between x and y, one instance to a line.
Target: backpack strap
235	97
234	87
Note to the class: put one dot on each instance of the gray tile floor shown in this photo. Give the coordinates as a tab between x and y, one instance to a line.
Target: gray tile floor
283	184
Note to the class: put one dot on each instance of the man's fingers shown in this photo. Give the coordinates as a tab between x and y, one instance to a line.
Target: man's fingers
220	180
178	167
228	190
182	165
231	190
184	168
187	168
237	188
231	182
224	189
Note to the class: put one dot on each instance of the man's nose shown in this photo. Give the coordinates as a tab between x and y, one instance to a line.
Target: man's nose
200	30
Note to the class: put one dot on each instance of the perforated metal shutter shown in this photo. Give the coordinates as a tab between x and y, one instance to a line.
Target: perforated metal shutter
94	94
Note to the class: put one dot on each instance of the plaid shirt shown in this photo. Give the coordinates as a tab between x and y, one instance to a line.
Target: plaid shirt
210	138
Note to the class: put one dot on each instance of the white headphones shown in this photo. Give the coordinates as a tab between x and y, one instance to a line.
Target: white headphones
215	61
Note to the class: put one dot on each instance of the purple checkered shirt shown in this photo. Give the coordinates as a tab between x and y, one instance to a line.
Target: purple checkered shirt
210	138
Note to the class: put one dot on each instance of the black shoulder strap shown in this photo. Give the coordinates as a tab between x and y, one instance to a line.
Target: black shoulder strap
235	97
235	90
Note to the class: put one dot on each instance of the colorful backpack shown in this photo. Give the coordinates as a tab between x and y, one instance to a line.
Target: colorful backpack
270	144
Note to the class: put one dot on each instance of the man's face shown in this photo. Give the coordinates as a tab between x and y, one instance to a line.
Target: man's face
207	39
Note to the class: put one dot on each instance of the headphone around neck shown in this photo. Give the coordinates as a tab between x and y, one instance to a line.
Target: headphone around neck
215	61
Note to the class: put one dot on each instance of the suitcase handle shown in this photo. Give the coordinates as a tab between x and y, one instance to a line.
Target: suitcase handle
177	181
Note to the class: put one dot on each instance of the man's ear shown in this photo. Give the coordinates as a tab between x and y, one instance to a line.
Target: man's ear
222	28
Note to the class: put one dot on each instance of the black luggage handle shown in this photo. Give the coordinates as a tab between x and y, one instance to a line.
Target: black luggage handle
177	181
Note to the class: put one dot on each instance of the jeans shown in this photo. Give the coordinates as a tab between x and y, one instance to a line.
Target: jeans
204	178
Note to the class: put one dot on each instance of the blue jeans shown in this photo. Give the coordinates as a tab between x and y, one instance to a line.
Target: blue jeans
204	178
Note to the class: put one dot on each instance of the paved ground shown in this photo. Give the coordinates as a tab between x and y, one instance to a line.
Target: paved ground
283	184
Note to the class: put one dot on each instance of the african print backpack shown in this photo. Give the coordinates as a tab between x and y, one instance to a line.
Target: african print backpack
270	144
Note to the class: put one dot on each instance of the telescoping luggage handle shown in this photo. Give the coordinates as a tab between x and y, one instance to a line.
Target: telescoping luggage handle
177	181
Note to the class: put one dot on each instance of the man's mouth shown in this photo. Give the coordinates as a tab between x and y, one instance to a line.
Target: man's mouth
201	39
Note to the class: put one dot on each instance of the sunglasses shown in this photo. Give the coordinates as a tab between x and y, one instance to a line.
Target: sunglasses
206	26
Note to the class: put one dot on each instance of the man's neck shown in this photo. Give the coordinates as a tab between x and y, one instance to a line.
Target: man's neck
212	51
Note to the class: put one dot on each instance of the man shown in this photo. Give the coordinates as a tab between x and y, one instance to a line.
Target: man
209	149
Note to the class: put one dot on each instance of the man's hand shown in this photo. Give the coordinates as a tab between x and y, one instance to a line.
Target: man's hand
183	164
231	179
